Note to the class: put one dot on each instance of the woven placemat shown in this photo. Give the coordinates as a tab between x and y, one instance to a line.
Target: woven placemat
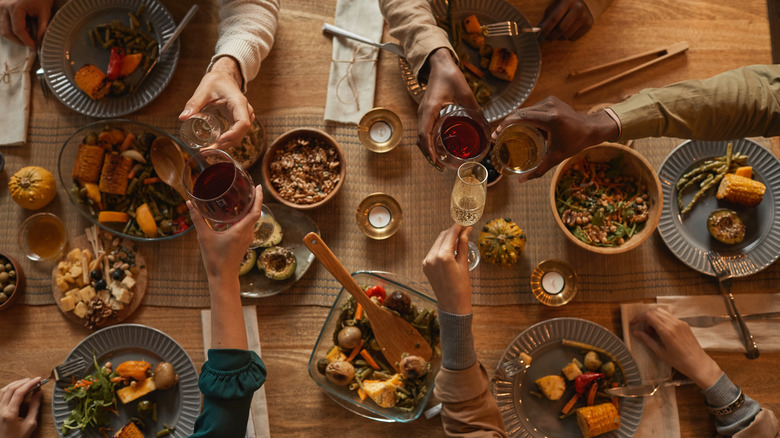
176	276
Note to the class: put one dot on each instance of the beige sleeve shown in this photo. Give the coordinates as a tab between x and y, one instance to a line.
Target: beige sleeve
739	103
597	7
468	408
763	426
413	24
246	33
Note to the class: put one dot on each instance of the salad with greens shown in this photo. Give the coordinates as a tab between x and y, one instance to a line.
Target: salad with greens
93	397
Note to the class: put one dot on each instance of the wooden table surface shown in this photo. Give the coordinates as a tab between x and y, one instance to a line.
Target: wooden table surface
722	34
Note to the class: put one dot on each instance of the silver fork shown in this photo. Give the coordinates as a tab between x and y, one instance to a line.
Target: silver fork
506	28
390	47
724	280
63	371
41	75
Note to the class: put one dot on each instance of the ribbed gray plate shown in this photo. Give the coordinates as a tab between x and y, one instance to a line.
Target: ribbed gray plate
506	96
526	415
178	406
66	48
687	237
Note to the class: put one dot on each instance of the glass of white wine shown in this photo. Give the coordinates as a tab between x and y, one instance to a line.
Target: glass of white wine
519	148
468	201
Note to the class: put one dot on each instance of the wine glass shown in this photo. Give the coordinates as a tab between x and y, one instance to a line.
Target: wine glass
219	188
461	135
468	201
203	129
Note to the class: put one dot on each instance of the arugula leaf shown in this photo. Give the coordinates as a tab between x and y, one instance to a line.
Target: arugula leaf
615	167
93	397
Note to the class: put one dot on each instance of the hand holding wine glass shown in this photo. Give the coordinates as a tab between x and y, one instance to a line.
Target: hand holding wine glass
468	201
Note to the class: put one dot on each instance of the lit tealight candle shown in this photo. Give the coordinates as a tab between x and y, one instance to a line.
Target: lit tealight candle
379	216
380	131
553	282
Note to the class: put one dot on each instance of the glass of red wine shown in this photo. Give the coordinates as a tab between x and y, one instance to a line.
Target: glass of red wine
461	135
218	187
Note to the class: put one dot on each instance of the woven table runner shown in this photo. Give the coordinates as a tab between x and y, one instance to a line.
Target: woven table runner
177	278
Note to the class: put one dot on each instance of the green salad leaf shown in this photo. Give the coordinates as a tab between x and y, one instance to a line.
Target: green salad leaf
93	397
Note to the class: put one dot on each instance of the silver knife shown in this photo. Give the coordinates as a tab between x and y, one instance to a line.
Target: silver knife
709	321
645	390
176	33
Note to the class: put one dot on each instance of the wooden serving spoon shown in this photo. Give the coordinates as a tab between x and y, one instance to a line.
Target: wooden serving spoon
169	164
394	334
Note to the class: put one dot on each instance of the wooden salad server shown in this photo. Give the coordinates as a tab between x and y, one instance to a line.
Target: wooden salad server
169	164
394	334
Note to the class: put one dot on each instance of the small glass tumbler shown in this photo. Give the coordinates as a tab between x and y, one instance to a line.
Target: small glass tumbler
42	236
518	149
204	128
461	135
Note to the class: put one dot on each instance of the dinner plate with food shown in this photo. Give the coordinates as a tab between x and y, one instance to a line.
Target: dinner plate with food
500	70
563	364
137	378
100	280
720	195
95	52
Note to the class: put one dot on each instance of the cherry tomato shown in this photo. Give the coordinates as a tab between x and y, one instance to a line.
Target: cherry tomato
378	292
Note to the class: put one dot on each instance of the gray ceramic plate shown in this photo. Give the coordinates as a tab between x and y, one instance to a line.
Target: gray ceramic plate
506	96
687	237
525	415
178	406
295	225
66	48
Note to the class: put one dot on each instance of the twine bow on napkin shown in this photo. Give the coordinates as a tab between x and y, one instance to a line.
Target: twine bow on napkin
15	61
349	75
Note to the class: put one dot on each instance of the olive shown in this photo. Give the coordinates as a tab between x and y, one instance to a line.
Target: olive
3	277
322	365
9	288
398	301
146	408
413	367
96	274
118	274
340	372
349	337
164	377
3	297
100	284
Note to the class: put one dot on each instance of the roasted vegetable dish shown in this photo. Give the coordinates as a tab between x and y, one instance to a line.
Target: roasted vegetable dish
355	360
601	204
114	179
708	175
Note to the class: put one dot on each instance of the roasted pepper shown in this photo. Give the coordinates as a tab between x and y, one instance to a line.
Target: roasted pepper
378	292
115	61
583	381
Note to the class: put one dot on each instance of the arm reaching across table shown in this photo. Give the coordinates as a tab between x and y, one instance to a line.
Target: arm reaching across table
13	20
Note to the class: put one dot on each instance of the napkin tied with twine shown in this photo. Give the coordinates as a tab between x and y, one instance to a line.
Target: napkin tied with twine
352	80
257	426
15	63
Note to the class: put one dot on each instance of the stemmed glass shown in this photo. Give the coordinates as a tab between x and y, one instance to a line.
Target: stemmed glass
468	201
204	128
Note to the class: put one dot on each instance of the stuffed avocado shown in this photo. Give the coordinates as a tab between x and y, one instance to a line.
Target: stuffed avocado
279	263
726	226
248	262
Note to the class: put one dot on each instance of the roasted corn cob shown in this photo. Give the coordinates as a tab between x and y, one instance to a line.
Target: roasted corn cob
89	161
113	177
598	419
741	190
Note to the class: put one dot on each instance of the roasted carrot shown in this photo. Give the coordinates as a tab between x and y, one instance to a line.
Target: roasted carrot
592	393
127	142
358	312
355	351
570	404
152	180
370	360
473	68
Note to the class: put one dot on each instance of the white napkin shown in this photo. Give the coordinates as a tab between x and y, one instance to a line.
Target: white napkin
257	426
15	63
725	336
659	417
353	68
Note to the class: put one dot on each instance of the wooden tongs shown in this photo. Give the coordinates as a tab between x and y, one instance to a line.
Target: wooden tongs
660	53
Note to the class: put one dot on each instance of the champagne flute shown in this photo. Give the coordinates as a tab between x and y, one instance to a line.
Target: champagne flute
219	188
468	201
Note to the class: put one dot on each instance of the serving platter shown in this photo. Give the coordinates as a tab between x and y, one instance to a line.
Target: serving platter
66	47
687	236
178	406
528	416
505	96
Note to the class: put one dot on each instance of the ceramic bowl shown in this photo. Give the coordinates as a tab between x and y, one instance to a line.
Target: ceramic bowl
15	276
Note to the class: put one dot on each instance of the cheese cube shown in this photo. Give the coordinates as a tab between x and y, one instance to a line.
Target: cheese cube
87	293
80	310
62	283
125	297
128	281
75	271
114	304
74	255
68	303
104	295
74	293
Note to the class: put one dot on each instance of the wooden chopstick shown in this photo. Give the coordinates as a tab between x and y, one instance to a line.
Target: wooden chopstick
662	53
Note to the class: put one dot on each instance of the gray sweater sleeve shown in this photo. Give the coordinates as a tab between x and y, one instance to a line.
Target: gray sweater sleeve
722	394
457	341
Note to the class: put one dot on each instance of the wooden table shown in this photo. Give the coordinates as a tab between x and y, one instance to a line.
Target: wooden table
722	35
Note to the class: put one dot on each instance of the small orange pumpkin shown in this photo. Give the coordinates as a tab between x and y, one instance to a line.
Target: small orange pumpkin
32	187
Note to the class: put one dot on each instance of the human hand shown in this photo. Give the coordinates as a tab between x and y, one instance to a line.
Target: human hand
673	342
222	87
11	398
567	132
446	85
565	20
449	274
13	20
223	251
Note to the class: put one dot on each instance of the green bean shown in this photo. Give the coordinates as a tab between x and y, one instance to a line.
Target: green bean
149	26
92	38
140	10
110	42
133	21
403	390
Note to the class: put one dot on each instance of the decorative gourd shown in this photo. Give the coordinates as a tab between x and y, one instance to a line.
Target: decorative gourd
501	241
32	187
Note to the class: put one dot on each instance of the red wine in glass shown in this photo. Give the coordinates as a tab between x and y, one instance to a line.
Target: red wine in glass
463	137
225	194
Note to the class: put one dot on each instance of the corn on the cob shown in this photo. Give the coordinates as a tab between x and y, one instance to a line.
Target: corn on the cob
113	177
598	419
89	161
741	190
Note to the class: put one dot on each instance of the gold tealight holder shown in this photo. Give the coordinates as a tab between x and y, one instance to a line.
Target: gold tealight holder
379	216
380	130
554	283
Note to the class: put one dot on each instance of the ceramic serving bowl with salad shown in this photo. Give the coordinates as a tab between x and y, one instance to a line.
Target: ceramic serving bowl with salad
606	199
409	395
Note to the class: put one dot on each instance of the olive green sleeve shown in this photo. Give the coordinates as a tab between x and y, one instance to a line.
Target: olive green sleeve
740	103
597	7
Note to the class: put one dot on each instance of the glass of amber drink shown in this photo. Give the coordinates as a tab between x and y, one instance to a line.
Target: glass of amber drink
518	149
42	237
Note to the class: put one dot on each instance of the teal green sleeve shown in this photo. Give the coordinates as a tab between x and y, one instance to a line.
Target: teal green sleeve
228	380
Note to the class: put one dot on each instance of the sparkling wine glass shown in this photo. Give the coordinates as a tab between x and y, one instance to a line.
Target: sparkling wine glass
218	187
204	128
468	201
